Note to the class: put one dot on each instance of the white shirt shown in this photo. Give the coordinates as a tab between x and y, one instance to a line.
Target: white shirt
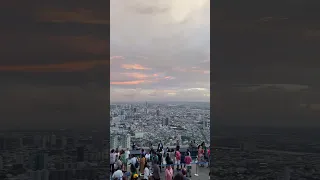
146	173
117	174
127	153
148	156
112	158
133	160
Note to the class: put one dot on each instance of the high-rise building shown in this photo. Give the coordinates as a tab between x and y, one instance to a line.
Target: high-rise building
165	122
38	161
120	141
80	154
1	163
53	140
63	141
97	140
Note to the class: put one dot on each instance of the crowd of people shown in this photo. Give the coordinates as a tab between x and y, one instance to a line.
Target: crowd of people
148	165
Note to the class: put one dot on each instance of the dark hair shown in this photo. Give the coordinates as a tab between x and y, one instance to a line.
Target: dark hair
133	169
112	150
199	146
142	150
178	176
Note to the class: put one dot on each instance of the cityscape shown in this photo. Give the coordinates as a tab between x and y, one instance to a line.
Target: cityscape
53	155
146	124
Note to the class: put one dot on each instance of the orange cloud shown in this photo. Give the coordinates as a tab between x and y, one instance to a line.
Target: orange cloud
136	75
127	82
134	66
64	67
79	15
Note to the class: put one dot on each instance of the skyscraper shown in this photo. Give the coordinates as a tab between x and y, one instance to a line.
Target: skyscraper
80	154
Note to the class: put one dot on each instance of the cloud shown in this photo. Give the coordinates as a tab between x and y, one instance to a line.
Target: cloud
134	66
154	37
63	67
79	15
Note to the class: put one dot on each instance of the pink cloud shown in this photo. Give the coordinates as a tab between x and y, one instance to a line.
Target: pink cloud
134	66
136	75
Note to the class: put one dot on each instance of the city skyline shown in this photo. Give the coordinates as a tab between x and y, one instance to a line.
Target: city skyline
160	51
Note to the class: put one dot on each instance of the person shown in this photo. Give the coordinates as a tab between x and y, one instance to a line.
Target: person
188	161
178	158
204	147
200	152
118	174
146	172
160	146
183	155
142	163
133	170
169	173
118	162
168	159
178	176
133	160
123	159
112	160
184	173
127	154
172	155
159	155
133	146
142	153
156	171
148	156
135	177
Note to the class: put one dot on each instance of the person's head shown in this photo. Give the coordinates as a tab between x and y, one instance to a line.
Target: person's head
142	155
202	144
187	153
199	147
184	172
172	150
112	150
146	165
135	176
167	154
142	150
178	176
168	167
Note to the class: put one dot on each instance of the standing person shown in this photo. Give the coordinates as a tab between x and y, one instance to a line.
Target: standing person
112	160
133	170
146	172
127	154
123	159
172	155
178	158
117	174
188	161
200	152
148	156
159	160
156	171
133	146
160	146
142	152
143	162
169	173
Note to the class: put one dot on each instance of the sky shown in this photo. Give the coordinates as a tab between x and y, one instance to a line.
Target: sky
160	50
54	64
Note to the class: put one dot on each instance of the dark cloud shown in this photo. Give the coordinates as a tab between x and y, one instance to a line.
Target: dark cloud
54	70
